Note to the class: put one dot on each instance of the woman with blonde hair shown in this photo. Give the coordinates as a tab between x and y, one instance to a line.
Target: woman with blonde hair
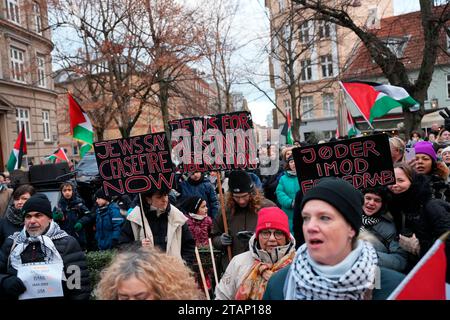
397	146
147	274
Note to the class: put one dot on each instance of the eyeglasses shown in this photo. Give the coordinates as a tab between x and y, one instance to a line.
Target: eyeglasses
237	198
278	234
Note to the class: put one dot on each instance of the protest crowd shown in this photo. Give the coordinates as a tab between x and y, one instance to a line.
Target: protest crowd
343	232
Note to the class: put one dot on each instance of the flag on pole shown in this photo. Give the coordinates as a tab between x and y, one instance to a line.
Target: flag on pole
374	100
80	126
352	130
426	281
59	156
289	138
20	148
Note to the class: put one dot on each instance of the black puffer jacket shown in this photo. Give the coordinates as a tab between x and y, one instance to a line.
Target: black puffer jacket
71	254
8	227
416	211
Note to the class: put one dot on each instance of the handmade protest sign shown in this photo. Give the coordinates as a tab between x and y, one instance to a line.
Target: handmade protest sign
364	162
217	142
135	164
41	280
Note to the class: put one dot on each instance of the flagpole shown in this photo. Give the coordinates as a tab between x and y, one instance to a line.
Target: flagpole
343	88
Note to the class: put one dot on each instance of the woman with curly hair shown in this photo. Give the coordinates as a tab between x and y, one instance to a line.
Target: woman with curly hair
147	274
243	202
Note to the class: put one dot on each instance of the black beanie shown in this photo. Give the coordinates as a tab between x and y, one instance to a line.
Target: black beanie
38	203
101	194
240	181
191	204
341	195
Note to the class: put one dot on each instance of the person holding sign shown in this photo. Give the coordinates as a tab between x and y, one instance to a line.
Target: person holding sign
270	249
243	201
42	261
163	226
332	264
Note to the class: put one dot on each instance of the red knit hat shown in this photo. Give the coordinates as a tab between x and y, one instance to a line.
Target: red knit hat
272	218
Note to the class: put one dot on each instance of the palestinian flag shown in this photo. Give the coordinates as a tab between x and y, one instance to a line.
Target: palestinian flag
374	100
289	138
80	126
352	130
20	148
426	281
59	156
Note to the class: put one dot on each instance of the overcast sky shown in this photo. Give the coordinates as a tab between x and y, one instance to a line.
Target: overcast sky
254	22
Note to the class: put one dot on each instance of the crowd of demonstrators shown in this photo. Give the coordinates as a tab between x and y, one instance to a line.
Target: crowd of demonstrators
332	264
242	203
147	274
71	214
42	240
199	185
13	221
163	226
271	248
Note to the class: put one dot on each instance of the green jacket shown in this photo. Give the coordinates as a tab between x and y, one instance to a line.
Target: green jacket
389	280
286	190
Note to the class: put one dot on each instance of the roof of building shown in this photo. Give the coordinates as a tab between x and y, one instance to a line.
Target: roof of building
406	34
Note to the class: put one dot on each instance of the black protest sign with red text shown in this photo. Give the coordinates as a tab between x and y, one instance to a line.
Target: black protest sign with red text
216	142
135	164
364	162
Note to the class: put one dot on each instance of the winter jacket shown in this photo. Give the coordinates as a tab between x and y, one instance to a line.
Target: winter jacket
241	264
71	254
5	197
270	185
415	211
242	220
169	231
389	280
200	230
108	225
203	189
286	190
74	211
385	241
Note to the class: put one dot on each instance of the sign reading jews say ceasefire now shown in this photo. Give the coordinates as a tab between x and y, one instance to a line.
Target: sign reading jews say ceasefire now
134	164
216	142
364	162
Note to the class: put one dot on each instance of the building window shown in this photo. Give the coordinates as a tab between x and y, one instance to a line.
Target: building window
307	107
448	86
46	124
328	105
23	121
281	5
17	64
41	71
13	11
324	29
37	17
304	32
306	73
327	66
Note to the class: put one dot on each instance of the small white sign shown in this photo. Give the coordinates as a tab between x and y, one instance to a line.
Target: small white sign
41	280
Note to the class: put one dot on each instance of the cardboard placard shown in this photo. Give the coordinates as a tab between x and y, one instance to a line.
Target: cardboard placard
217	142
364	162
135	164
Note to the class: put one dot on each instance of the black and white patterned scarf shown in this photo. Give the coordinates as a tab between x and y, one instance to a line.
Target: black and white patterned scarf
304	283
369	221
22	240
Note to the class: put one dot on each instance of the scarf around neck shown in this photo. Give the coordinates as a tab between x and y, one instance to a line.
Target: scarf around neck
22	240
14	215
304	282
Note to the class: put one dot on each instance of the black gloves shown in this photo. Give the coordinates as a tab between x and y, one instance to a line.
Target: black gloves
13	286
226	239
446	115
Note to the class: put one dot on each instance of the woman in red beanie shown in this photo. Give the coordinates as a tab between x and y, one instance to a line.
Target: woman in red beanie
271	248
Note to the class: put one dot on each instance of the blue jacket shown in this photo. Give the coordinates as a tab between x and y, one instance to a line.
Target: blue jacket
108	225
203	189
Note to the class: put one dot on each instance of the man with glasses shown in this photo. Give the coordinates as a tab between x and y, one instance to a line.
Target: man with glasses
242	203
270	249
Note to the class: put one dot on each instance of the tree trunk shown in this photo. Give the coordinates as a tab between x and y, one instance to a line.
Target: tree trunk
412	122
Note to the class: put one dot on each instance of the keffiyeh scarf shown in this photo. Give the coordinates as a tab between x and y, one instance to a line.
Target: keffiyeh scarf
369	221
22	240
304	283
